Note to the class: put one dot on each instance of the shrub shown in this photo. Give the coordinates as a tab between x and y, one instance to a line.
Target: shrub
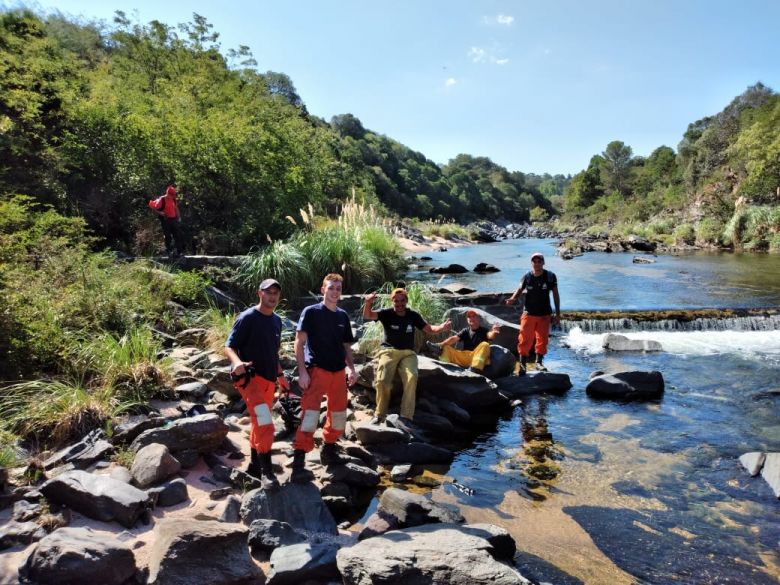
708	231
685	234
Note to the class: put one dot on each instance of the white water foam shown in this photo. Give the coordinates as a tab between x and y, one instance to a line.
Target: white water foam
761	345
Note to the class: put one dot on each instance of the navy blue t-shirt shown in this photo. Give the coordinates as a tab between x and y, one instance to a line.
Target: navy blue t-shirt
256	338
472	338
399	331
537	289
326	333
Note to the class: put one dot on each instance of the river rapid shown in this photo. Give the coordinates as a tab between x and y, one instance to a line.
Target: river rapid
609	492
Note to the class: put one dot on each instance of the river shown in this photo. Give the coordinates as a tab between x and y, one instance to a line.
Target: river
611	493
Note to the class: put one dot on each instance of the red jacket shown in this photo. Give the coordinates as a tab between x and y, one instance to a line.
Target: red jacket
166	204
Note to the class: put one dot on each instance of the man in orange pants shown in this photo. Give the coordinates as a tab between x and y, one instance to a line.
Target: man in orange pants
537	284
323	348
253	350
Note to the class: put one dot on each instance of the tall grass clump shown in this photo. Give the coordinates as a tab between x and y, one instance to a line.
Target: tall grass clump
218	323
754	226
283	261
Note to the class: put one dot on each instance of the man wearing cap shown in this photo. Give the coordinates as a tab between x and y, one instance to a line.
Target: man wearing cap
537	284
474	339
397	351
324	352
253	350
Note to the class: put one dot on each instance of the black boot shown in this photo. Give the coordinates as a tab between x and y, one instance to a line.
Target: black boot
330	454
299	472
521	370
268	480
254	468
539	363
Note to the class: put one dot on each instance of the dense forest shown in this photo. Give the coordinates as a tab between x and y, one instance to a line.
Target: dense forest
97	118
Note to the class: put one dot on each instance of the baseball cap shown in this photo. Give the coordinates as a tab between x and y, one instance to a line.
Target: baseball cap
537	255
268	283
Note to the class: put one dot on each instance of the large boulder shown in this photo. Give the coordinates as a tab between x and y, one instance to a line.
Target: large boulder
502	363
466	389
415	509
450	269
93	447
632	385
639	243
533	383
369	434
203	433
436	554
153	464
615	342
298	504
97	496
20	532
185	551
303	563
74	556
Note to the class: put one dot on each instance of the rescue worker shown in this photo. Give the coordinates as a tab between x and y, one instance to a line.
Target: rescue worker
253	350
397	355
537	284
475	354
323	350
167	210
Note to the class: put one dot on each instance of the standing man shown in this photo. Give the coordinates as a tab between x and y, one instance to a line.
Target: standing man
475	354
168	211
323	348
253	350
397	351
537	313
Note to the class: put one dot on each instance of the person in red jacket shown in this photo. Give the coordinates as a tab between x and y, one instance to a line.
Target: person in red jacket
168	211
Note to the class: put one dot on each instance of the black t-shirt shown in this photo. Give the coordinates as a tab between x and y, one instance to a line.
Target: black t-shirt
472	338
399	331
537	289
326	333
255	338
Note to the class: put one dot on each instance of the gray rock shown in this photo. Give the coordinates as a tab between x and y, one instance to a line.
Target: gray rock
265	535
435	554
615	342
170	493
221	382
196	336
203	433
191	390
412	453
452	411
120	473
484	268
301	563
188	458
502	362
378	523
534	383
753	462
643	260
433	423
185	551
466	389
153	464
126	431
507	333
93	447
414	509
399	473
449	269
24	511
352	474
229	510
639	243
504	546
13	533
627	385
456	288
771	472
300	505
75	556
98	497
378	434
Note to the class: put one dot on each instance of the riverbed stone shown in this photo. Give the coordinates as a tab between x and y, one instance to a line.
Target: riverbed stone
369	434
352	474
633	385
153	464
303	563
170	493
13	533
412	453
220	381
203	433
97	496
266	534
465	388
434	554
191	390
534	383
449	269
74	556
298	504
126	431
753	462
771	472
616	342
92	447
415	509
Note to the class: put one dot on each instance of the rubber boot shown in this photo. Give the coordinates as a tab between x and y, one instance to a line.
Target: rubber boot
254	468
329	454
268	480
521	371
299	472
540	363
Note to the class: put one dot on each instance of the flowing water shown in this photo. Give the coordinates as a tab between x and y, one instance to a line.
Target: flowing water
610	492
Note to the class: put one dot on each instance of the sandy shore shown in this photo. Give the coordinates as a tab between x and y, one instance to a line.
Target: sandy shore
430	243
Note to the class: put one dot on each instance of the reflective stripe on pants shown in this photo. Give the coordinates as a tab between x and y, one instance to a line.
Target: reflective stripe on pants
332	385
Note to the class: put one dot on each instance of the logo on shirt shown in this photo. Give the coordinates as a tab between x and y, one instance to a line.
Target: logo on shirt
409	329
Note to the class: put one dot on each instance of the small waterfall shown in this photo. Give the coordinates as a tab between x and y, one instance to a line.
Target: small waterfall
747	323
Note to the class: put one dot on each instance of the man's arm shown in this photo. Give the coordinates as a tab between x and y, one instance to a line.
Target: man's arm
557	300
517	293
446	326
300	357
351	374
368	308
237	365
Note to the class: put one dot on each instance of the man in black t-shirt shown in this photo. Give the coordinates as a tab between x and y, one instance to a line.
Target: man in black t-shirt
537	284
397	351
475	352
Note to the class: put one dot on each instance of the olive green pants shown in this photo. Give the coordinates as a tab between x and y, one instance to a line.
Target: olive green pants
404	363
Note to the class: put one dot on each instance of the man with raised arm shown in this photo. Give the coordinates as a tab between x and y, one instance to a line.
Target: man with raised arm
397	355
324	353
474	339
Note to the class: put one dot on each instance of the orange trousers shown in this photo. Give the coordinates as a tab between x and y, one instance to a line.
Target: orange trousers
334	386
533	328
259	398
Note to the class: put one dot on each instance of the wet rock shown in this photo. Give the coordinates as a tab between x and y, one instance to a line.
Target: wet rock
771	472
14	533
484	268
93	447
97	497
753	462
184	551
632	385
74	556
302	563
399	473
153	464
502	363
414	509
639	243
300	505
412	453
450	269
203	433
533	383
170	493
436	554
615	342
352	474
456	288
265	535
643	260
369	434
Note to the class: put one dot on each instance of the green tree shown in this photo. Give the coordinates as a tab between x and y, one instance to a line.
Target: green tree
615	169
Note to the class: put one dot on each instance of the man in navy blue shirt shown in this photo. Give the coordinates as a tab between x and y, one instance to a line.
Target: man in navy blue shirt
253	350
323	349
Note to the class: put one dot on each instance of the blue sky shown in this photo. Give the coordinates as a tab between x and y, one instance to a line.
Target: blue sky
536	86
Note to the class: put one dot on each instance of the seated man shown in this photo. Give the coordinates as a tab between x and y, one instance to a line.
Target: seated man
475	354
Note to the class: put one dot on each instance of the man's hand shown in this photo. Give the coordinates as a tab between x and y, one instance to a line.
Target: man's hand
283	383
556	319
351	376
304	379
239	369
369	298
509	301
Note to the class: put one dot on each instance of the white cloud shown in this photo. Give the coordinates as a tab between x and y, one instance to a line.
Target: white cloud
477	55
500	61
450	82
480	55
505	19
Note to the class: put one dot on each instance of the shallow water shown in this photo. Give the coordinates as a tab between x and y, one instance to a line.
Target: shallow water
639	492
